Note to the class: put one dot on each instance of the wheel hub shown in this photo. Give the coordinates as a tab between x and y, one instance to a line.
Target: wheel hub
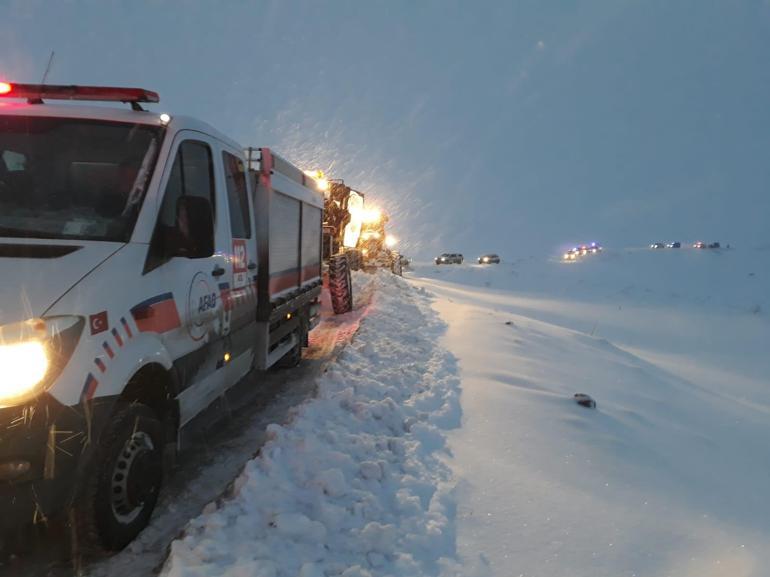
134	478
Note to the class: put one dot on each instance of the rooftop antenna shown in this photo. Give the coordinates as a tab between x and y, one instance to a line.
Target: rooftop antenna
45	76
48	67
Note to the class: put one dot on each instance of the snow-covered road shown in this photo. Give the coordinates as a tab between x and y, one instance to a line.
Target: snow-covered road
356	484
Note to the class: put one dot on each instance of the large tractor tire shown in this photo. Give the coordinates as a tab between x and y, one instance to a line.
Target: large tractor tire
340	284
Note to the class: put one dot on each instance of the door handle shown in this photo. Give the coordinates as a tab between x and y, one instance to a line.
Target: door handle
252	265
218	271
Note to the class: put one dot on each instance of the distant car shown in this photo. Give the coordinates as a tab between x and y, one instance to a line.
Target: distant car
714	245
449	258
700	244
489	259
675	244
657	245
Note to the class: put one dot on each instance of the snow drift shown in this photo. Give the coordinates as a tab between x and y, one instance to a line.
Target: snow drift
356	485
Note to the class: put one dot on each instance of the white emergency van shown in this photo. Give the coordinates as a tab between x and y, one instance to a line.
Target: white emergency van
147	264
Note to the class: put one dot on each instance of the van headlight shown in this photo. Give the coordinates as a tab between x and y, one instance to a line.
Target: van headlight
33	353
24	366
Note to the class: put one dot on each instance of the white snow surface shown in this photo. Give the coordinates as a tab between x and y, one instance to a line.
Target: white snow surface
668	476
356	484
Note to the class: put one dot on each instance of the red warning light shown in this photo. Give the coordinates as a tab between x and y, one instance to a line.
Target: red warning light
36	93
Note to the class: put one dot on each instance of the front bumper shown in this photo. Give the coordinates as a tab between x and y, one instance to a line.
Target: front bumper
56	441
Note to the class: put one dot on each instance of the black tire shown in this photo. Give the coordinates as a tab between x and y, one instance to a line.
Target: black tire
340	284
396	267
122	485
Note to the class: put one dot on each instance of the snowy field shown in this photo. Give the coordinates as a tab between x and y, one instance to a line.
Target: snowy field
669	475
444	440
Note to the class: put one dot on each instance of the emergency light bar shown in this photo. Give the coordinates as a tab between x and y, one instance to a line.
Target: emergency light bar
35	93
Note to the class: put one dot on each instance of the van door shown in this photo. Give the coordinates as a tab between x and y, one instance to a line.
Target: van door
240	289
192	320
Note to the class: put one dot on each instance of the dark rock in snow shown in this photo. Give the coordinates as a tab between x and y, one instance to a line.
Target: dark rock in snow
585	400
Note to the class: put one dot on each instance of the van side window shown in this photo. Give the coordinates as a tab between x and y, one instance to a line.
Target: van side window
237	199
192	175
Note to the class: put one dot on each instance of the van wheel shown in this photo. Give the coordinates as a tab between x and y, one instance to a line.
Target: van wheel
124	481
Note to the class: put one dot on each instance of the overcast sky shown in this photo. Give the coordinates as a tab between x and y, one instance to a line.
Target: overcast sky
510	126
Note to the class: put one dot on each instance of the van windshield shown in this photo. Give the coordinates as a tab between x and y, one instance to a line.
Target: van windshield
72	178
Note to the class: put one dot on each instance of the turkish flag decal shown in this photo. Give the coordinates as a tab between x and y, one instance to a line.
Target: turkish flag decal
98	322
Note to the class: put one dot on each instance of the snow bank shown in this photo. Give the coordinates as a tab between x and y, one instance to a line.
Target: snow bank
364	285
356	485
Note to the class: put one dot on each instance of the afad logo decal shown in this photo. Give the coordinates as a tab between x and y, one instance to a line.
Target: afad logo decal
207	302
203	302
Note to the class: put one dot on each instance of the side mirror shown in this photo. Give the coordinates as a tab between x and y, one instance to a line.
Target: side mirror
195	227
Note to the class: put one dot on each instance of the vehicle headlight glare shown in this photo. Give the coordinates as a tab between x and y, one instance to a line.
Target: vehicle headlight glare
33	353
24	365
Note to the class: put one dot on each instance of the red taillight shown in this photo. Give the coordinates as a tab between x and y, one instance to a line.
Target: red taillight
5	88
